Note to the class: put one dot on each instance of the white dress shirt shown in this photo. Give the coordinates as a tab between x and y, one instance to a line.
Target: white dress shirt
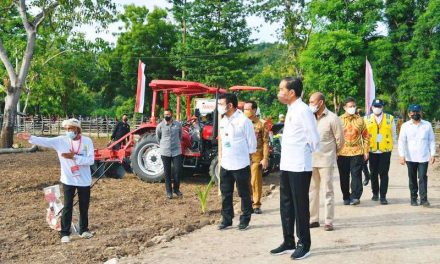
238	141
84	157
416	141
300	138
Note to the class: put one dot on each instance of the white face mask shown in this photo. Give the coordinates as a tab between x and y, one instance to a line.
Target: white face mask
221	109
314	108
351	110
377	110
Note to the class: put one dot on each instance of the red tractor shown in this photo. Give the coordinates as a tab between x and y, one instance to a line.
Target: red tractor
139	151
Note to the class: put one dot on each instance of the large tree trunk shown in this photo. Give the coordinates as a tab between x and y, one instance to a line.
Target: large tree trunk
9	117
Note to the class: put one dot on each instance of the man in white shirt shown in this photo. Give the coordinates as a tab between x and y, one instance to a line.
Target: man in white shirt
238	142
76	154
417	149
300	139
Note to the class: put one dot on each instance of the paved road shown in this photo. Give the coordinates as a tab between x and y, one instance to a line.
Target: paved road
368	233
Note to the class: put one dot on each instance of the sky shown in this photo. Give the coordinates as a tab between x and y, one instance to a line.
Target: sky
265	32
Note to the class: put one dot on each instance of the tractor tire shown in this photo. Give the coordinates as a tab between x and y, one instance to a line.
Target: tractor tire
97	170
214	171
146	160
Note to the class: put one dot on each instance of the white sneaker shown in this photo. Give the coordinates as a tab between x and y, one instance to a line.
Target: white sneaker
86	235
65	239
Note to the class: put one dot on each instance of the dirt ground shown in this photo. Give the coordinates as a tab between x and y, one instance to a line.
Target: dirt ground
124	214
364	234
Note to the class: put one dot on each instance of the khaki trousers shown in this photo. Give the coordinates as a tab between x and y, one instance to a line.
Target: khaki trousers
256	184
324	175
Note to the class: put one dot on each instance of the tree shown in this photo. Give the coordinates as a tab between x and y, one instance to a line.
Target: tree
296	25
333	64
67	13
148	37
419	81
216	44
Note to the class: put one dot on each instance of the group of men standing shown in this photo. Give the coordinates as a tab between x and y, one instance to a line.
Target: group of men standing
314	141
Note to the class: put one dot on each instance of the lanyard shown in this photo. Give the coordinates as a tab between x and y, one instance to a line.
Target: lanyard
79	146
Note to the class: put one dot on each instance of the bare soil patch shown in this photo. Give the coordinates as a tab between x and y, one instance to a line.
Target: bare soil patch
124	214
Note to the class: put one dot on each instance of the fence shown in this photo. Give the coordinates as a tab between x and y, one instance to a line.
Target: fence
94	127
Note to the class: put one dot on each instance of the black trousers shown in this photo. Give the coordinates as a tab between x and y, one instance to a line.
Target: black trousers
294	206
84	202
365	170
168	169
420	168
351	165
379	166
228	178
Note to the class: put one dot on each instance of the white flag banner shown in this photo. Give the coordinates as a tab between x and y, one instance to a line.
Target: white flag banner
140	93
370	88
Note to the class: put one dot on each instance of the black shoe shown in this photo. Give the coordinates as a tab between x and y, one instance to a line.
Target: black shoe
346	202
314	224
425	203
375	197
366	181
243	226
283	249
169	195
257	211
223	225
300	253
383	201
414	202
355	202
178	193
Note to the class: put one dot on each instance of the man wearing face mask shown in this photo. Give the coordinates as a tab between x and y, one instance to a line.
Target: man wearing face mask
300	140
331	141
382	132
353	154
417	149
238	142
120	130
169	135
260	159
76	154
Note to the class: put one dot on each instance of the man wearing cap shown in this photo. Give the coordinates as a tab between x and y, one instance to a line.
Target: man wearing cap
382	132
417	149
76	154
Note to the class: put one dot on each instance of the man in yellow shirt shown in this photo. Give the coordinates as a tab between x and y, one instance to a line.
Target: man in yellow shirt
382	133
259	159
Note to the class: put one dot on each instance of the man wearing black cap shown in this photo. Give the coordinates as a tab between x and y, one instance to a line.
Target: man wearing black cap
417	149
382	131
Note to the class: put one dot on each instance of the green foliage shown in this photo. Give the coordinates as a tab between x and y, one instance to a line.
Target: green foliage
333	64
217	39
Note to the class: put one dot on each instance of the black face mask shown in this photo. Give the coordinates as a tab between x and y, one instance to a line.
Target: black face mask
416	117
125	120
167	118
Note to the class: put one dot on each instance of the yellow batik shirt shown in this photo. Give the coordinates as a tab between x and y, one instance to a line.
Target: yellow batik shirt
356	139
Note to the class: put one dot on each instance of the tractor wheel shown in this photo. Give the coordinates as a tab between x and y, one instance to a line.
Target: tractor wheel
146	160
214	170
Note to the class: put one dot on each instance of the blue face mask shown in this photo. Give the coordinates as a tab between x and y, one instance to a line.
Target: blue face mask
70	134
